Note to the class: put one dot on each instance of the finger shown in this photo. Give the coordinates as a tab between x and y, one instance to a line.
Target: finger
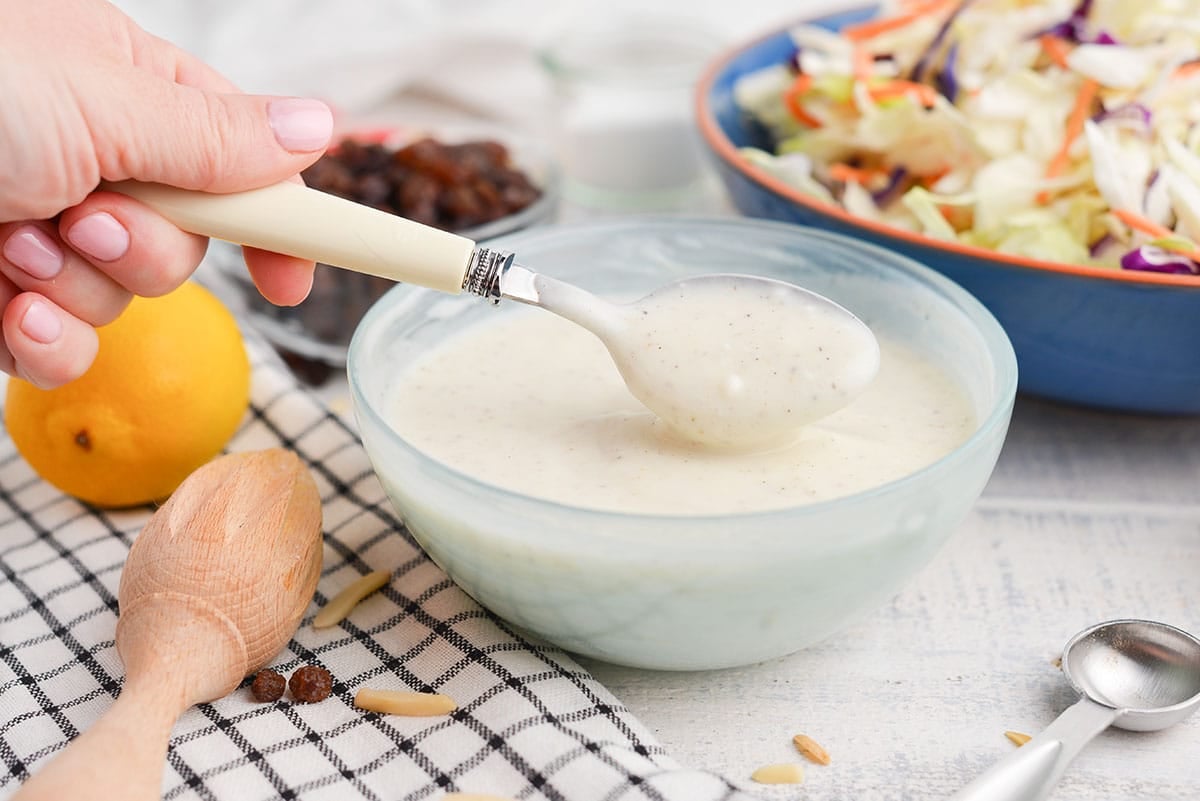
168	61
34	259
8	291
199	139
131	244
49	346
283	280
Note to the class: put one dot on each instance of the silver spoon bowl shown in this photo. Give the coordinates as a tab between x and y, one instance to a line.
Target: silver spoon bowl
1133	674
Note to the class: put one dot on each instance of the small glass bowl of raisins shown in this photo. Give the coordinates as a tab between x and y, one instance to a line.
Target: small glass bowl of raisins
472	182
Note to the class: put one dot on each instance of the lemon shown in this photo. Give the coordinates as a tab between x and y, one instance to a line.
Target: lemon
168	389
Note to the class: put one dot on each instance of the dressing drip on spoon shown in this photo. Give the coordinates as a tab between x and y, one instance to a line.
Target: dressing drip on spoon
724	360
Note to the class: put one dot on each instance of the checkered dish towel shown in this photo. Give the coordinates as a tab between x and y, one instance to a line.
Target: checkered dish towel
531	723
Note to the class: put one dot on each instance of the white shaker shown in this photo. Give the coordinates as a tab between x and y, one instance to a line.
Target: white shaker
624	131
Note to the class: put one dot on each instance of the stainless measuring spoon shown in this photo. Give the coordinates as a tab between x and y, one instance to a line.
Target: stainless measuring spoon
726	360
1133	674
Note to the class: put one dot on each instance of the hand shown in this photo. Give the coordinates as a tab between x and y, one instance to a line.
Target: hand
86	95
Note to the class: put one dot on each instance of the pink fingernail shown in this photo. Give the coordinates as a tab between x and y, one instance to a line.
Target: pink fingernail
31	249
41	324
99	236
300	125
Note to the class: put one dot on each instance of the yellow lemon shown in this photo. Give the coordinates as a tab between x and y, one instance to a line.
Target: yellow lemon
168	389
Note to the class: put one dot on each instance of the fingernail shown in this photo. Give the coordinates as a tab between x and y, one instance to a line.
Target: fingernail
41	324
99	236
300	125
31	249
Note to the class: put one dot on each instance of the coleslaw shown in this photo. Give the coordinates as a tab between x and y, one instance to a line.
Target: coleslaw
1061	130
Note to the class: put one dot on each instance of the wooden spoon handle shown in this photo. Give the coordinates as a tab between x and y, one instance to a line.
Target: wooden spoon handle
178	650
120	756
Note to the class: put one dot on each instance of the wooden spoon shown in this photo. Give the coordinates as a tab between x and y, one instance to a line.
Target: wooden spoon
213	588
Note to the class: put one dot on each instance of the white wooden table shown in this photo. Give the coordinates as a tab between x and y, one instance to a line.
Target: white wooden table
1088	517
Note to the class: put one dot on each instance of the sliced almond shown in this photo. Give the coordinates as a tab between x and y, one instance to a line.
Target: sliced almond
785	773
336	610
1018	738
811	749
400	702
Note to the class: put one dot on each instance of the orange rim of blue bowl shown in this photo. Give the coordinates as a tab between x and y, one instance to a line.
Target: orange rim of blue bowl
728	152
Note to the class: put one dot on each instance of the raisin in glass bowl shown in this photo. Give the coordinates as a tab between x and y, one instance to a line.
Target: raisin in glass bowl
473	182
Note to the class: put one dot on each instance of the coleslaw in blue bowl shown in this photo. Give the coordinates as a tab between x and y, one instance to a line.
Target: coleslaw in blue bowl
1042	155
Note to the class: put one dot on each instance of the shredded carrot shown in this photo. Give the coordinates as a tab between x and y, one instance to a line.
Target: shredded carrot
1151	228
1140	223
1186	70
858	175
792	96
864	64
1079	114
932	178
875	27
1056	49
925	95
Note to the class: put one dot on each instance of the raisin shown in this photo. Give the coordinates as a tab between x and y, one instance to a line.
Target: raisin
310	684
462	203
428	181
374	189
449	186
268	686
418	190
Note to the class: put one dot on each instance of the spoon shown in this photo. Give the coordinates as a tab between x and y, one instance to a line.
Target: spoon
214	586
1133	674
725	360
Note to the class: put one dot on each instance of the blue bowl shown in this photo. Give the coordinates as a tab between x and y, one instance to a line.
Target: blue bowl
1112	339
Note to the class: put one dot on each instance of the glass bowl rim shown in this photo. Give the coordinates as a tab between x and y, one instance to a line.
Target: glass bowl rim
995	340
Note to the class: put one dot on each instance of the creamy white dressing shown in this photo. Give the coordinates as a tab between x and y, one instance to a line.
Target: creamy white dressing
530	402
729	360
742	363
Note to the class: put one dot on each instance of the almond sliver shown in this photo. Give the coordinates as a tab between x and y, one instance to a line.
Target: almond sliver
785	773
340	605
1018	738
401	702
811	749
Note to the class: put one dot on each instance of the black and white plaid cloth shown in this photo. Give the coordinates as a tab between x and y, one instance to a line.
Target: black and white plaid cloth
531	723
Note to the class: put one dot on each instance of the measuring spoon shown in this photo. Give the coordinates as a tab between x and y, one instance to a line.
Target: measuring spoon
726	360
1133	674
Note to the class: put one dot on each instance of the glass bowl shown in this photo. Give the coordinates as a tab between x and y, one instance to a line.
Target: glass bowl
687	591
319	329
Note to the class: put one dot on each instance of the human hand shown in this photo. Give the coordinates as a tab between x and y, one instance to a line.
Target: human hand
86	95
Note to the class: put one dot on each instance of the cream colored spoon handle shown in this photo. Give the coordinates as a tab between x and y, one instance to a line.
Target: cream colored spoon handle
299	221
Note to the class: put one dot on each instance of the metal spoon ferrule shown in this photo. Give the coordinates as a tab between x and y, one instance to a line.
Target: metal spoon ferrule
485	270
493	274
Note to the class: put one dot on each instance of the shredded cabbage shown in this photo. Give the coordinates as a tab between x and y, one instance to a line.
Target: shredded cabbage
1063	130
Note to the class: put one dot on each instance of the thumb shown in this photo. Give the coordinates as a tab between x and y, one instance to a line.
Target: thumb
195	138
